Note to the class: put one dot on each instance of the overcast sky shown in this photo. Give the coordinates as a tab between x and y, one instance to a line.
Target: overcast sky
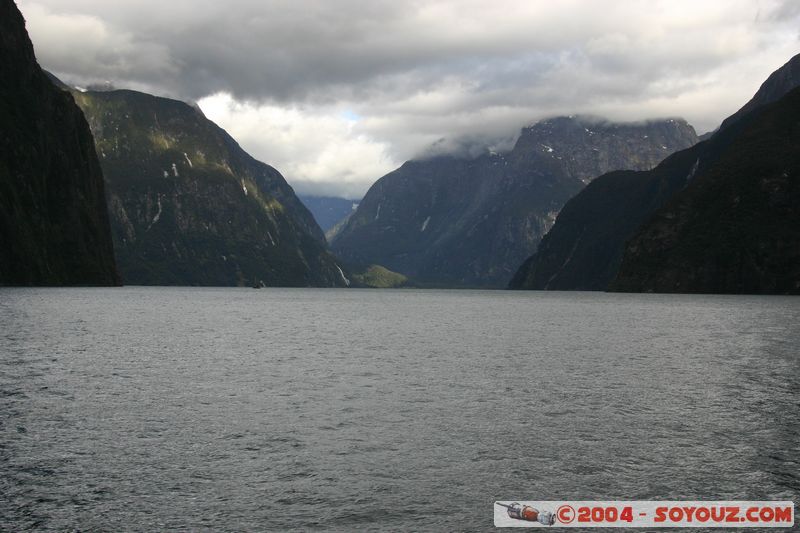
335	93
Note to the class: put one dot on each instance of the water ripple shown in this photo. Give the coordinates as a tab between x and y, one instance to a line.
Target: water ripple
141	409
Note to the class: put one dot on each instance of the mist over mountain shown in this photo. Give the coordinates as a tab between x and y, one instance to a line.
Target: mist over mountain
472	204
336	94
717	217
460	221
54	227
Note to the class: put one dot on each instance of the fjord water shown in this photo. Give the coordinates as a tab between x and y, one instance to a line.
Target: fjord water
279	409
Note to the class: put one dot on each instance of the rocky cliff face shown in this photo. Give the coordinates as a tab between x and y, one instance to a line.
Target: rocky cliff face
453	221
189	207
735	228
584	249
54	227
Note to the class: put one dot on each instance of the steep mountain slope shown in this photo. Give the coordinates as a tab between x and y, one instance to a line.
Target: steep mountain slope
188	206
584	249
328	210
54	226
773	89
453	221
736	227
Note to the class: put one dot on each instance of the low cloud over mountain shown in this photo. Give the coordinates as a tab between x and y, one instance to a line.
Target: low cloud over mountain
360	87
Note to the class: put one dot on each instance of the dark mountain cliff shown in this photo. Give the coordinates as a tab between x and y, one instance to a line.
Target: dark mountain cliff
188	206
54	227
584	249
736	227
453	221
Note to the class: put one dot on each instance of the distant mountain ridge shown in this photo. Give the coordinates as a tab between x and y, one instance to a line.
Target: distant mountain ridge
451	221
188	206
585	248
54	225
328	210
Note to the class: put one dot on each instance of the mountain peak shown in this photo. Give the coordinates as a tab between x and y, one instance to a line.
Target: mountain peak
452	221
744	173
775	87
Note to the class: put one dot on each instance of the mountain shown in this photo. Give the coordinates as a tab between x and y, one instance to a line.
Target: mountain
327	210
54	227
773	89
584	249
337	228
735	228
470	221
188	206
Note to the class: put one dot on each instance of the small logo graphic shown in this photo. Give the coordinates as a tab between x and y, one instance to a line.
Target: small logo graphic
527	513
565	514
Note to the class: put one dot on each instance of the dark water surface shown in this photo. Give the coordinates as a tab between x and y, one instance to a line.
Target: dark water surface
236	409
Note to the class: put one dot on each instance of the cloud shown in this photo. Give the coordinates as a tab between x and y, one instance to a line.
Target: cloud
88	49
321	149
415	72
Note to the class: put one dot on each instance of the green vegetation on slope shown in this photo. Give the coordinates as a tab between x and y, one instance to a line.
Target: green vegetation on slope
188	206
380	277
